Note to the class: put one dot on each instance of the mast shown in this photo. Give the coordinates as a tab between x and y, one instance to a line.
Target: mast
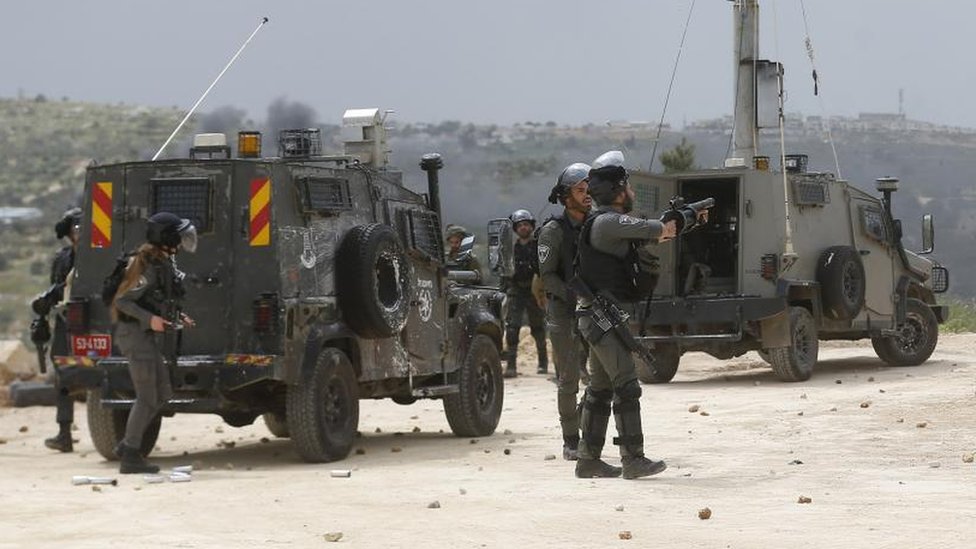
745	138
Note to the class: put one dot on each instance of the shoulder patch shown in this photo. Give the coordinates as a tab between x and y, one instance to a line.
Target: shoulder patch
544	253
628	220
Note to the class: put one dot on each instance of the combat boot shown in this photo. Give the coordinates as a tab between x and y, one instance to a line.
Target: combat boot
543	353
640	466
571	448
596	468
543	366
132	462
62	441
510	369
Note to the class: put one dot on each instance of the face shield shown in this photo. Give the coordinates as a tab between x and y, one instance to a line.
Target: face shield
188	238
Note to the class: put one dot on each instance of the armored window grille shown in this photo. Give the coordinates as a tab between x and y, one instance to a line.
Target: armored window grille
326	195
810	193
872	223
189	198
425	233
940	279
648	201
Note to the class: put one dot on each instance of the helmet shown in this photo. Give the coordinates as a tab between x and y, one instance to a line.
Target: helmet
171	231
607	177
454	230
519	216
572	175
69	220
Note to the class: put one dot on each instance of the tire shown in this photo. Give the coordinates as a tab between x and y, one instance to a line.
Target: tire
277	424
323	408
474	411
764	355
796	362
666	362
916	339
373	281
840	273
107	427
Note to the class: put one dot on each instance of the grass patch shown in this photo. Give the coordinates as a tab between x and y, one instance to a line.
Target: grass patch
962	316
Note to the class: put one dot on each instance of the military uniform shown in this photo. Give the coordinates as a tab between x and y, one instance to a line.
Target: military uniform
520	301
608	264
160	282
64	261
557	251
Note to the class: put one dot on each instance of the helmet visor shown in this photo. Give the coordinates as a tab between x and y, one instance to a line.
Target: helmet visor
188	239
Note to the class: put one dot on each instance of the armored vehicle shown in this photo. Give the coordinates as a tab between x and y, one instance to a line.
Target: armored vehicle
318	281
787	258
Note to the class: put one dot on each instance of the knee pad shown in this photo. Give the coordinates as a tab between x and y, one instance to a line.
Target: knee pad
599	397
629	391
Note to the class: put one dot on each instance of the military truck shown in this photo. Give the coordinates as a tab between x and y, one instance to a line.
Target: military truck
318	281
788	257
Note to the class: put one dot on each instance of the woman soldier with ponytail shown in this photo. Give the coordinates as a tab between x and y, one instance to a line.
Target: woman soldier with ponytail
151	281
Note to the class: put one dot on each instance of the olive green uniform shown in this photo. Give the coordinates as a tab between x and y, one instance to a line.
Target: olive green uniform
557	250
143	347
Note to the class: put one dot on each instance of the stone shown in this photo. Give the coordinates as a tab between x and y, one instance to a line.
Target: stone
550	457
434	505
32	393
866	404
625	534
360	451
922	424
704	413
693	408
507	451
416	429
968	458
619	508
804	499
24	429
332	537
396	449
704	513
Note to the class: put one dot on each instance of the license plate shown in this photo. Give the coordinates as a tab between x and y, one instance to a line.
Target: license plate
91	345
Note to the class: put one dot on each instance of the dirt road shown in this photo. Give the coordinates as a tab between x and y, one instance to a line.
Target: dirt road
880	452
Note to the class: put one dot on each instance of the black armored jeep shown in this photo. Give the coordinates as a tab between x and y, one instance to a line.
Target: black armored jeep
318	281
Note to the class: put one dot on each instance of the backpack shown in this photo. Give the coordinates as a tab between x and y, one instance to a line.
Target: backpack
111	283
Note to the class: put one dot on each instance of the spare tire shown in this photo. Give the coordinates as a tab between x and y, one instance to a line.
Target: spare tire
842	284
373	281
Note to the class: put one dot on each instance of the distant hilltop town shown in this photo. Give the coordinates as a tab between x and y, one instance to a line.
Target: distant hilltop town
797	124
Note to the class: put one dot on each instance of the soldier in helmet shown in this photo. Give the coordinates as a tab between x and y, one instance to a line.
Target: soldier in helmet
519	297
557	251
460	255
151	282
67	228
609	266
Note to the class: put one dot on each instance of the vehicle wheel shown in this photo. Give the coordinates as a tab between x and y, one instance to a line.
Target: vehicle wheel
666	358
277	424
795	363
764	354
373	281
916	338
474	410
107	427
840	273
323	408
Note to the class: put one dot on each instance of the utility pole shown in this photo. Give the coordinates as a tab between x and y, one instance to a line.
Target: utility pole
745	138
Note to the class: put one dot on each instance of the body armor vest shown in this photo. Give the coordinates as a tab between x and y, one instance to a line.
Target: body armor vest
604	272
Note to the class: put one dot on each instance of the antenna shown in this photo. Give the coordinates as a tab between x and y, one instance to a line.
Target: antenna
212	84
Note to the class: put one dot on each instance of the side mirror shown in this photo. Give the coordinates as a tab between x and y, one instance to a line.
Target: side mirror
928	234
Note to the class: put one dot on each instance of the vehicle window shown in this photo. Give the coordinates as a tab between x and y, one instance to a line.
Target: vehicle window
423	229
872	223
325	195
185	197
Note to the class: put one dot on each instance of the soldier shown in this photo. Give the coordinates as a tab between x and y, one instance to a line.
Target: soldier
557	251
460	259
608	265
519	297
150	289
64	260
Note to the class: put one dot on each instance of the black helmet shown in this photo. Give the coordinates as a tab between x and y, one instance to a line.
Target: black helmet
170	231
572	175
70	219
519	216
607	177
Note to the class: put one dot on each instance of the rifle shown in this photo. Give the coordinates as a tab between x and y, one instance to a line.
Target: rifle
686	215
607	316
40	333
172	314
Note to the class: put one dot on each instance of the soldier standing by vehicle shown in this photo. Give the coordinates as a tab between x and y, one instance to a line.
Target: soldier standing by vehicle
519	298
557	251
64	260
144	307
608	267
461	258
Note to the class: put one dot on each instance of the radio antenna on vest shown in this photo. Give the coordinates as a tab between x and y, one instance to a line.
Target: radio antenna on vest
212	84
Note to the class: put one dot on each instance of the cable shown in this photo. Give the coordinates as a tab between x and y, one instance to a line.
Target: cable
667	98
789	255
816	88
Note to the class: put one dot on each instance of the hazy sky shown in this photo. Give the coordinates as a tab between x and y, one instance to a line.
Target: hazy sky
491	61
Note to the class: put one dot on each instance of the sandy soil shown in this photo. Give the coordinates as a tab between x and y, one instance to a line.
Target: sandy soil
879	451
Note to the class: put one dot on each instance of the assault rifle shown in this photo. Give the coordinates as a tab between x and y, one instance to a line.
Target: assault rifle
607	316
40	329
172	314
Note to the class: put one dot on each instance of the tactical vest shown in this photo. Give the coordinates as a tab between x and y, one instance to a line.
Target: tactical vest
604	272
526	262
168	287
570	237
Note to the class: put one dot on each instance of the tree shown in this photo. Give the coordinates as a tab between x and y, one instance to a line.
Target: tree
681	158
